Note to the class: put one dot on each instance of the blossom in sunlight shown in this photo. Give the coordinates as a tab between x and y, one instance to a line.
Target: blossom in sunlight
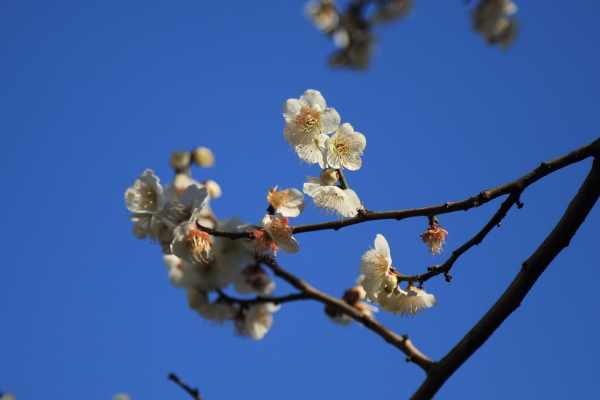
332	199
278	235
180	160
410	301
257	321
181	182
345	148
181	274
434	237
491	19
375	264
214	189
314	153
307	117
203	157
146	194
288	202
323	15
190	243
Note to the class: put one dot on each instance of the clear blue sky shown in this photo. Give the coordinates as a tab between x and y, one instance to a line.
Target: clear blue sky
93	93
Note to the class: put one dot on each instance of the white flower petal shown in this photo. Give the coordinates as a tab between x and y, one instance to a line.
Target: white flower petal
291	108
313	98
330	120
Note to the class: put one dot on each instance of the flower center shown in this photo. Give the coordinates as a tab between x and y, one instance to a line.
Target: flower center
278	199
341	146
147	196
309	119
199	243
280	231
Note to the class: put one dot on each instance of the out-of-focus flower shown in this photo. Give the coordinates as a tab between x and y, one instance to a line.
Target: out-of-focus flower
8	396
181	274
410	301
182	181
146	194
219	311
180	160
119	396
307	117
375	264
332	199
254	279
392	10
434	237
314	152
203	157
323	15
490	18
190	243
258	320
358	53
345	148
287	202
231	255
279	236
214	190
197	299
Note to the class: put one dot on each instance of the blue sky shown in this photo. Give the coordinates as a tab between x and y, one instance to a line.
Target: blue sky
93	93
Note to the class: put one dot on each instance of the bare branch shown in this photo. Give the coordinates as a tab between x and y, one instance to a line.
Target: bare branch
403	343
260	300
193	392
531	270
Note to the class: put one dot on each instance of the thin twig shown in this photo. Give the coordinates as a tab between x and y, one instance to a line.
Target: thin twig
260	300
193	392
532	268
403	343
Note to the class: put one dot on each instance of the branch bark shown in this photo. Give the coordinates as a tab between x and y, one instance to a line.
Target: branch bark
531	270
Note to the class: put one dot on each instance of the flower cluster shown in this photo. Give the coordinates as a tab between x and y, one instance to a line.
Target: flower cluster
308	123
381	283
179	219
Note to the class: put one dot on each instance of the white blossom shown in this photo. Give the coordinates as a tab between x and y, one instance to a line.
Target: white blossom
287	202
345	148
322	13
410	301
375	265
315	152
181	274
307	117
277	227
203	156
197	299
190	243
219	311
253	279
259	319
332	199
146	194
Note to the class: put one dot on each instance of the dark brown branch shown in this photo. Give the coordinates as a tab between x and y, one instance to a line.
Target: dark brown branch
260	300
403	343
531	270
475	240
519	185
193	392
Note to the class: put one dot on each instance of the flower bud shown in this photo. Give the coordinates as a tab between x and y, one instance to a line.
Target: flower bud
180	160
214	190
203	157
196	299
329	176
390	283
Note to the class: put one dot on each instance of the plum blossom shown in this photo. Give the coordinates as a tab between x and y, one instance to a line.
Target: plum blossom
323	15
315	152
345	148
257	320
287	202
410	301
375	265
332	199
276	234
203	157
190	243
491	19
307	117
146	194
434	237
254	279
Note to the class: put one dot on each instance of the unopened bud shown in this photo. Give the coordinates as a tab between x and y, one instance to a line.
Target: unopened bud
180	160
329	176
214	190
203	157
390	283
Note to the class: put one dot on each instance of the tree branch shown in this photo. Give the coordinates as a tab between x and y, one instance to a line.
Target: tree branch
403	343
193	392
531	270
260	300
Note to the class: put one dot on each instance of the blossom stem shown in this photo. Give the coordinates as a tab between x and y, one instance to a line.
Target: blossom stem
343	182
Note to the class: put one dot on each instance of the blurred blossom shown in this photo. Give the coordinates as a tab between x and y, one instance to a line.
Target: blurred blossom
390	11
332	199
180	160
8	396
307	117
341	38
410	301
182	181
120	396
490	18
214	190
287	202
257	320
358	54
219	311
197	299
322	14
254	279
146	195
203	157
345	148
